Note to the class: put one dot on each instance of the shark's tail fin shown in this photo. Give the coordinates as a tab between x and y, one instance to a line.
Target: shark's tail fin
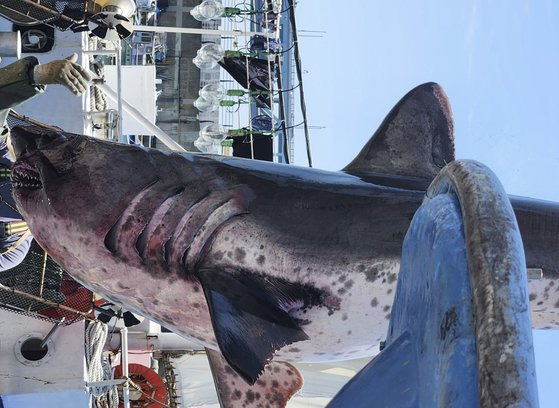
416	138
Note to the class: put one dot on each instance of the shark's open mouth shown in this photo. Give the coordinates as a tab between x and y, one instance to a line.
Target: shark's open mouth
25	175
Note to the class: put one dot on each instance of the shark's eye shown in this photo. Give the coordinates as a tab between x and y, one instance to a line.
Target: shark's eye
50	140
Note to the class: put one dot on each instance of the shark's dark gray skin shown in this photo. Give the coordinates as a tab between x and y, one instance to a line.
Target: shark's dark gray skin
252	258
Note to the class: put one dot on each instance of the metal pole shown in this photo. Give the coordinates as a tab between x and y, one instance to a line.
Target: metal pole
99	52
199	31
47	302
124	363
51	332
119	92
136	114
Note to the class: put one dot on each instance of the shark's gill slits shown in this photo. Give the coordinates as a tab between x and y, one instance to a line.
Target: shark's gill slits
112	237
156	221
188	226
122	238
203	238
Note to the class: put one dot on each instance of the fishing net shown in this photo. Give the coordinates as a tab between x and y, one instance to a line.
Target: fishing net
57	13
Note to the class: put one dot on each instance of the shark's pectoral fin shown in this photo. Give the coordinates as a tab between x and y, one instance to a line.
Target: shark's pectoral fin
415	139
277	384
250	317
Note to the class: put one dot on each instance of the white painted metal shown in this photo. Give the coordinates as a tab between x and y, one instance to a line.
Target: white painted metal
124	357
62	369
155	341
137	115
118	58
199	31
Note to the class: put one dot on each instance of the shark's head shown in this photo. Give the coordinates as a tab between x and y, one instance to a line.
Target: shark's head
58	177
96	197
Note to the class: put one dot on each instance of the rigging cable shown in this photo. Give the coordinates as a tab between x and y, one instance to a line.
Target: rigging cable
300	78
282	114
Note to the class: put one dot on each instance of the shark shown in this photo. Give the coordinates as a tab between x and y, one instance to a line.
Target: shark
263	264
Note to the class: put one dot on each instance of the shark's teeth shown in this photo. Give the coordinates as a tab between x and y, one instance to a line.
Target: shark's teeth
24	175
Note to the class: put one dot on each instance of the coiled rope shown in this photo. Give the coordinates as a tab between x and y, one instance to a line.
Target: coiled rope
98	367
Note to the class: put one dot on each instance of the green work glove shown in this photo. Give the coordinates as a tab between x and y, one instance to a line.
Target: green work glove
64	72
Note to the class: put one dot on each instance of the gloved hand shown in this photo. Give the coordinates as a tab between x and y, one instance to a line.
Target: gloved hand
64	72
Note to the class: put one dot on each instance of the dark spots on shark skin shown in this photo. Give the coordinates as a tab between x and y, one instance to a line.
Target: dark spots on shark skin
374	302
104	270
294	350
155	301
551	283
229	254
342	291
196	288
532	296
348	284
261	383
361	268
387	317
237	394
339	341
386	308
261	260
275	383
349	332
218	256
344	316
240	255
297	269
226	238
392	278
196	305
371	274
261	247
557	304
342	278
122	286
389	291
249	395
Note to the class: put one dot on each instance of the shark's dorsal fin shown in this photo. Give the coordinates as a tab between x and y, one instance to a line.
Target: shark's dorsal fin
416	138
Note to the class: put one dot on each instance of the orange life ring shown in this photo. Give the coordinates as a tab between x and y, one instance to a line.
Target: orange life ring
149	381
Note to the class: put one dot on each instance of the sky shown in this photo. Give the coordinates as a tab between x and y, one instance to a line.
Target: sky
498	63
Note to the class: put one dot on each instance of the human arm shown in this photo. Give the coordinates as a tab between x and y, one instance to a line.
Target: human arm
11	257
16	83
63	72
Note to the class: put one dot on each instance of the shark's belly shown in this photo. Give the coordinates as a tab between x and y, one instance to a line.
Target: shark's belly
359	288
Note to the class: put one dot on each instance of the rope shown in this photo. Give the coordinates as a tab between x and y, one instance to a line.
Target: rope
98	368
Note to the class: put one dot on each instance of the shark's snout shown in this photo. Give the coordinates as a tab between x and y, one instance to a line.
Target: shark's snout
27	140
